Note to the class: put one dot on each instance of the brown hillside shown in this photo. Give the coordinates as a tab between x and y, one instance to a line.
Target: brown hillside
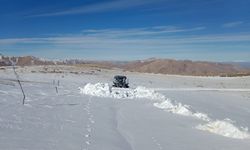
186	67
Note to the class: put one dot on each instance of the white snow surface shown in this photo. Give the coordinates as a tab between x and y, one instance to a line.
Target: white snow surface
219	127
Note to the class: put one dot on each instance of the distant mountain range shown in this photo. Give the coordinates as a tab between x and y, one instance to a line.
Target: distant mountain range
153	65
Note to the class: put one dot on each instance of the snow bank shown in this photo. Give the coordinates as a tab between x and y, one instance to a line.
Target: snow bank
104	90
225	128
98	89
180	109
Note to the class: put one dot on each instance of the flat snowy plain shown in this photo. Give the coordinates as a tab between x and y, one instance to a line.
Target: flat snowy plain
159	112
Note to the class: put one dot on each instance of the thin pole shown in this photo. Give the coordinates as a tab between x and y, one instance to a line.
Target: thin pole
17	77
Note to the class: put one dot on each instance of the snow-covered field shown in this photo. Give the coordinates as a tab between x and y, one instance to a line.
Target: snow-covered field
158	112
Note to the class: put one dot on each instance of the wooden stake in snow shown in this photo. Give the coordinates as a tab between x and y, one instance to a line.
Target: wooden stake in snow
56	90
17	77
56	86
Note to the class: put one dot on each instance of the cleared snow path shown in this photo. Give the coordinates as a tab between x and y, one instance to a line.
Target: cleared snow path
221	127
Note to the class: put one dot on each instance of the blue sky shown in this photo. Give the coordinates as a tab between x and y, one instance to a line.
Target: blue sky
214	30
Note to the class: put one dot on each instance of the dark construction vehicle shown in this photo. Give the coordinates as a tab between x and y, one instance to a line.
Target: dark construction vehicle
120	81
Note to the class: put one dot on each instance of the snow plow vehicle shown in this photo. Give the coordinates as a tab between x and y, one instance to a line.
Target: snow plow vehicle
120	81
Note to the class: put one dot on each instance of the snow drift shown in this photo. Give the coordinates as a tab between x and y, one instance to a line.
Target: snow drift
219	127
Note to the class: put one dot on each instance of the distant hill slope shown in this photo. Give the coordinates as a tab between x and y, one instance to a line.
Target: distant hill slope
162	66
245	65
183	67
24	61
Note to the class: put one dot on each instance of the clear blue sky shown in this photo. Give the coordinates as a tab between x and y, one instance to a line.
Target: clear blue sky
214	30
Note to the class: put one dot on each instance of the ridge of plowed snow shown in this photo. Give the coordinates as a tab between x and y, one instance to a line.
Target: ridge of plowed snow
104	90
181	110
224	128
220	127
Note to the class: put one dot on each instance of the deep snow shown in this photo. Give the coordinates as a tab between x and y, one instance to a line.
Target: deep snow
148	116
